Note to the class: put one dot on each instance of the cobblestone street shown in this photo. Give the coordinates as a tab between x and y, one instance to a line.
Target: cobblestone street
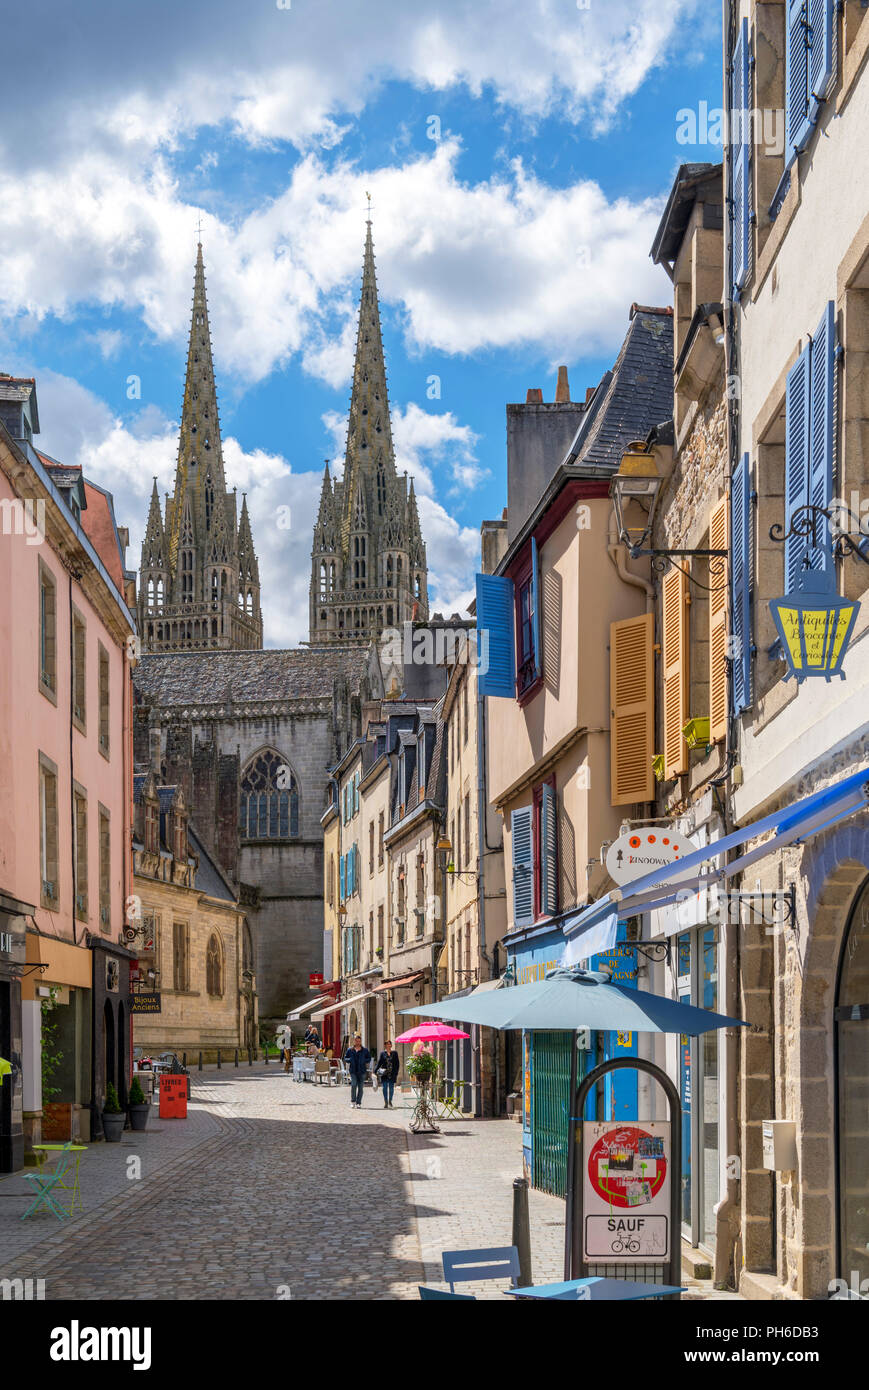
272	1185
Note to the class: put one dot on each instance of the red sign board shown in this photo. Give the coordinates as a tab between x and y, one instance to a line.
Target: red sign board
173	1097
315	981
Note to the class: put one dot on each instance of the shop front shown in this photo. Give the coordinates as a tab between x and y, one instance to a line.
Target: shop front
12	959
57	1017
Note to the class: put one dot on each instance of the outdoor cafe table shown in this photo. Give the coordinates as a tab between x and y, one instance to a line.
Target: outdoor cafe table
78	1150
597	1288
303	1067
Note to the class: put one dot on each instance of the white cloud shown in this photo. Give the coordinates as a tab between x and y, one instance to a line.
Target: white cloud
423	440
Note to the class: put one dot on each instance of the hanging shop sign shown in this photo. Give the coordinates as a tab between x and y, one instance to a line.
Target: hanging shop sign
626	1196
143	1002
645	849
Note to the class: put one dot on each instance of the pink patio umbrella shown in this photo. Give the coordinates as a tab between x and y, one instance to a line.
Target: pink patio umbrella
431	1032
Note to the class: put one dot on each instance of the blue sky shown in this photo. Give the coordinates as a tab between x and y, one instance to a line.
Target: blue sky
514	240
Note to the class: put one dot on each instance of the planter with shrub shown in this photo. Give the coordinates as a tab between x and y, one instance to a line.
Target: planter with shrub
138	1106
114	1118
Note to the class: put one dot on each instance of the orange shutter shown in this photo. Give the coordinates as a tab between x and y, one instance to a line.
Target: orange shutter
718	540
632	709
675	660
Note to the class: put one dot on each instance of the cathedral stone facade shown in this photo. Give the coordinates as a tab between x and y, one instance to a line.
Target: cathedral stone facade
250	735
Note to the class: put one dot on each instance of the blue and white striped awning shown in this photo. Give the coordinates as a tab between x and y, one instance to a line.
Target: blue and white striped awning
788	826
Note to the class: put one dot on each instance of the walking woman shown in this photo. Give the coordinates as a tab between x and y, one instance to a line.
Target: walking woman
388	1065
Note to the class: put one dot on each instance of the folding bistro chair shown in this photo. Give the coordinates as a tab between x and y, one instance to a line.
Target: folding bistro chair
425	1293
43	1185
471	1266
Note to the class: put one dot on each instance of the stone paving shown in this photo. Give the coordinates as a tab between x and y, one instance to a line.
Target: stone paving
273	1189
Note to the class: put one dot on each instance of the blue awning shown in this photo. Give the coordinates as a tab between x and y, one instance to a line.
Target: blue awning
787	827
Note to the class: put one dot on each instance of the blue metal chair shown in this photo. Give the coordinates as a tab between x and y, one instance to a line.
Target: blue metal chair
498	1262
43	1185
425	1293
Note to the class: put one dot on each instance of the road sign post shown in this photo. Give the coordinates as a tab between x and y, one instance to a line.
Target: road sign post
624	1185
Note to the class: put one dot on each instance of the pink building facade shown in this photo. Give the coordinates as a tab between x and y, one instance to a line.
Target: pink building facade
66	643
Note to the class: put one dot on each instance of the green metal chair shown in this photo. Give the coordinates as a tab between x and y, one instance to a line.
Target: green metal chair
43	1185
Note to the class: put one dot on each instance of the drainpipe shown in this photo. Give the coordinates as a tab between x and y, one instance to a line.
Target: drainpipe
727	1211
71	772
616	551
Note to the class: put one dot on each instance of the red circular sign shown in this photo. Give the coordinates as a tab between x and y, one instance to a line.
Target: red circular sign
627	1166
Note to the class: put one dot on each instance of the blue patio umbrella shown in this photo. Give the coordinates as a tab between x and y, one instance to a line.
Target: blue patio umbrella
572	998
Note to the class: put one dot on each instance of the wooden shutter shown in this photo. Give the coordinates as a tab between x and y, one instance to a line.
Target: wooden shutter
740	646
496	642
675	663
523	865
740	109
341	879
796	76
821	434
718	704
821	55
796	464
632	709
548	851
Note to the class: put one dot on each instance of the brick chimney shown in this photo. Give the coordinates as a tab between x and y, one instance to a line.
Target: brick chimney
534	396
562	390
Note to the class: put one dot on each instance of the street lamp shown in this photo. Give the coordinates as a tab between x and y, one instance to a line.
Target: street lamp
639	481
815	627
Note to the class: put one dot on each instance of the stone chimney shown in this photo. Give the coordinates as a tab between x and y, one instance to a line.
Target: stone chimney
562	390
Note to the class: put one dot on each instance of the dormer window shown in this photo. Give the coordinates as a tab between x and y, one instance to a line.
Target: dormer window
152	827
179	836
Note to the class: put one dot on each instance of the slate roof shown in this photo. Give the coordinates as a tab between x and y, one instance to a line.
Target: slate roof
631	399
177	678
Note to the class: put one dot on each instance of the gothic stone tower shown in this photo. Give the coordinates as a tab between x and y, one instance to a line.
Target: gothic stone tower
368	566
199	578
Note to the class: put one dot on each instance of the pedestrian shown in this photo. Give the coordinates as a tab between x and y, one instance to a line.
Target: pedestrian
358	1060
312	1037
388	1066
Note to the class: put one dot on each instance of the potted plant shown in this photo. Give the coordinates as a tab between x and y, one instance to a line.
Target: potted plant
114	1118
423	1067
138	1106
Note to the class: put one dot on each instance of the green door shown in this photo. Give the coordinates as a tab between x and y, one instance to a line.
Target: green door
550	1109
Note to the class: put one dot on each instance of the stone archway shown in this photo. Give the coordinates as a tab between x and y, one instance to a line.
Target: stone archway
834	870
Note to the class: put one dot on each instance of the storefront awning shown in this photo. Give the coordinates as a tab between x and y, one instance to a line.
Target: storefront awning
788	826
344	1004
307	1006
399	982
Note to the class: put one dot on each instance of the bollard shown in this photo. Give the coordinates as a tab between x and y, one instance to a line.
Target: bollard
200	1061
266	1053
218	1059
184	1059
250	1057
236	1056
522	1230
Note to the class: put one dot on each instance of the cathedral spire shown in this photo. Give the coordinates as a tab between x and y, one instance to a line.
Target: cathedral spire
204	593
370	454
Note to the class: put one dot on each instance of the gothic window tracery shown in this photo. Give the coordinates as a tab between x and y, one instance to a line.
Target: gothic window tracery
214	966
269	800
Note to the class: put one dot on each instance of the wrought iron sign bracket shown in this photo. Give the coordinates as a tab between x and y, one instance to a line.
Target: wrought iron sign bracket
808	520
655	950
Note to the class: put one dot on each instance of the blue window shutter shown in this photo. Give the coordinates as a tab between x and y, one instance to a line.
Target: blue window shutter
740	107
821	14
796	464
523	866
496	635
740	584
341	879
535	604
548	852
797	123
823	372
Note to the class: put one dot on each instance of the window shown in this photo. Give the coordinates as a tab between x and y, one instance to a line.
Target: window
371	933
79	672
809	434
180	957
152	827
80	852
380	927
371	847
420	894
214	967
741	647
740	143
521	844
534	845
269	801
465	707
380	822
105	870
104	698
47	632
330	892
508	631
179	836
49	895
809	67
467	857
457	842
401	899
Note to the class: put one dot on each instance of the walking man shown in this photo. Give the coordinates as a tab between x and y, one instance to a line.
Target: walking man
358	1060
388	1065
